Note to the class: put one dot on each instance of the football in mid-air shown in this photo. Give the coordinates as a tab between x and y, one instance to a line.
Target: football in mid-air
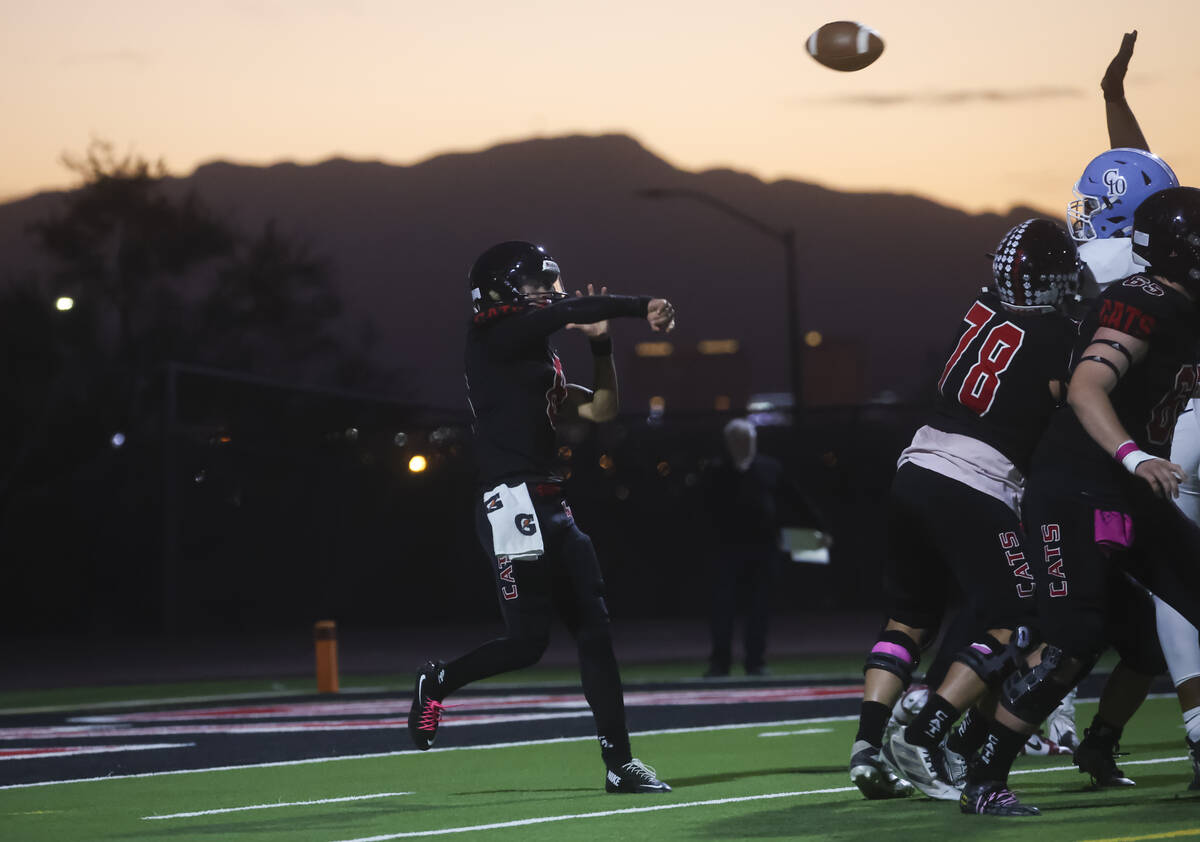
845	45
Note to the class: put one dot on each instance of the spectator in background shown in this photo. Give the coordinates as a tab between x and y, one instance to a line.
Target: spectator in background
746	498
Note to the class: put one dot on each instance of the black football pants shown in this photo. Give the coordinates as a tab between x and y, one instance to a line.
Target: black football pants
565	579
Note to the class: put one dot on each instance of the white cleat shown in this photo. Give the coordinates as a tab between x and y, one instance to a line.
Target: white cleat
917	764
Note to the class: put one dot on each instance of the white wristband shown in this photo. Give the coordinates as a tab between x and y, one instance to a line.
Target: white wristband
1132	460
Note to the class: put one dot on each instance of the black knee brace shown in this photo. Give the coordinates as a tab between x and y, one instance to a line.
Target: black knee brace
989	659
994	661
1032	694
896	653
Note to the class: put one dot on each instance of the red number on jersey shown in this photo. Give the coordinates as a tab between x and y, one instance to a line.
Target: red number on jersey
1161	428
976	318
979	386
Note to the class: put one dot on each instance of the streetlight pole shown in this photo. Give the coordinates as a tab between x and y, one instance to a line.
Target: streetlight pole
786	237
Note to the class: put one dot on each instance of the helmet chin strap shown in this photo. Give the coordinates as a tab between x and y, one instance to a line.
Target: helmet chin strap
1109	260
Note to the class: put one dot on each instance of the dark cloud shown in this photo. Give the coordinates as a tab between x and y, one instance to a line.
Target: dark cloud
136	58
948	98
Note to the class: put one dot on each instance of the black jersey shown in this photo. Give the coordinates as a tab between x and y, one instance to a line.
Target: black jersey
995	385
1152	393
516	384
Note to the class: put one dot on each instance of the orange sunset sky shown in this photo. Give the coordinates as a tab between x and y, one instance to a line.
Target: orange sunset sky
977	104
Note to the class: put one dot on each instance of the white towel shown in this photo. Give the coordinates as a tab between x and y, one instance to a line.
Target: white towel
516	533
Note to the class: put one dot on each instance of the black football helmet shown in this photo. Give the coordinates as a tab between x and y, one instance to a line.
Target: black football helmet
1035	265
499	273
1166	236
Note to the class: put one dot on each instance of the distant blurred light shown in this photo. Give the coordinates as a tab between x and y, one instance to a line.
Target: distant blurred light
400	439
565	453
658	405
352	434
224	438
64	303
606	462
117	440
200	476
813	338
568	473
769	401
721	404
417	464
654	349
718	346
663	468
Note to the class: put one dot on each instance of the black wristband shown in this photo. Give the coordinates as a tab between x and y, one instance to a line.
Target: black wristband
602	347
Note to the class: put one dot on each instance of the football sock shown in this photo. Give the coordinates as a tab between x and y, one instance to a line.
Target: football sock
1191	721
966	737
931	723
872	722
1000	748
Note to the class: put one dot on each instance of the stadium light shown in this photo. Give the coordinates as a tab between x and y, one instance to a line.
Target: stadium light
813	338
653	349
64	303
417	464
117	440
711	347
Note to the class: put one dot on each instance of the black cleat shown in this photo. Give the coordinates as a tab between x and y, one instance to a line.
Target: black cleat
427	707
874	778
1096	755
992	798
634	776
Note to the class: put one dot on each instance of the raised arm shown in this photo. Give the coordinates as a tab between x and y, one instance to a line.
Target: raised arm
1123	128
510	334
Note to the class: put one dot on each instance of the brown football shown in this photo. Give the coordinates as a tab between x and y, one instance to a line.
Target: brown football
845	45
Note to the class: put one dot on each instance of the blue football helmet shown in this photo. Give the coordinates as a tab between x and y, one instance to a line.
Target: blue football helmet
1111	188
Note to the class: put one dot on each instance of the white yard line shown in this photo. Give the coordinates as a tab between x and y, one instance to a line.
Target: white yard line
71	751
517	744
792	733
274	805
604	813
601	814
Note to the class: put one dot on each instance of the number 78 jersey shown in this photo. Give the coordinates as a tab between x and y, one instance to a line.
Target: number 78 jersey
994	386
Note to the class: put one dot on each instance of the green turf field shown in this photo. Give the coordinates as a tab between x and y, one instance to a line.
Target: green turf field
729	784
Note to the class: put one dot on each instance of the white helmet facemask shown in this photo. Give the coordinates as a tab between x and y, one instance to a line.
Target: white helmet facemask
1109	260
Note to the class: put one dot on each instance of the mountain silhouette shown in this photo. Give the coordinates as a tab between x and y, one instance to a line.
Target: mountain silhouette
891	274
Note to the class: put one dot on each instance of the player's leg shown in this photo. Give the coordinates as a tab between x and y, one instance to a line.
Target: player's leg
1179	638
579	595
1181	650
1071	573
915	582
980	539
1131	631
523	589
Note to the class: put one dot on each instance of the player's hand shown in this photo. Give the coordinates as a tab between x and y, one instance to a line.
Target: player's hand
596	329
661	315
1113	83
1163	476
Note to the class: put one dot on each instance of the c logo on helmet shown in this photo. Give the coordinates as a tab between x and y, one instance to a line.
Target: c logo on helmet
1115	182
